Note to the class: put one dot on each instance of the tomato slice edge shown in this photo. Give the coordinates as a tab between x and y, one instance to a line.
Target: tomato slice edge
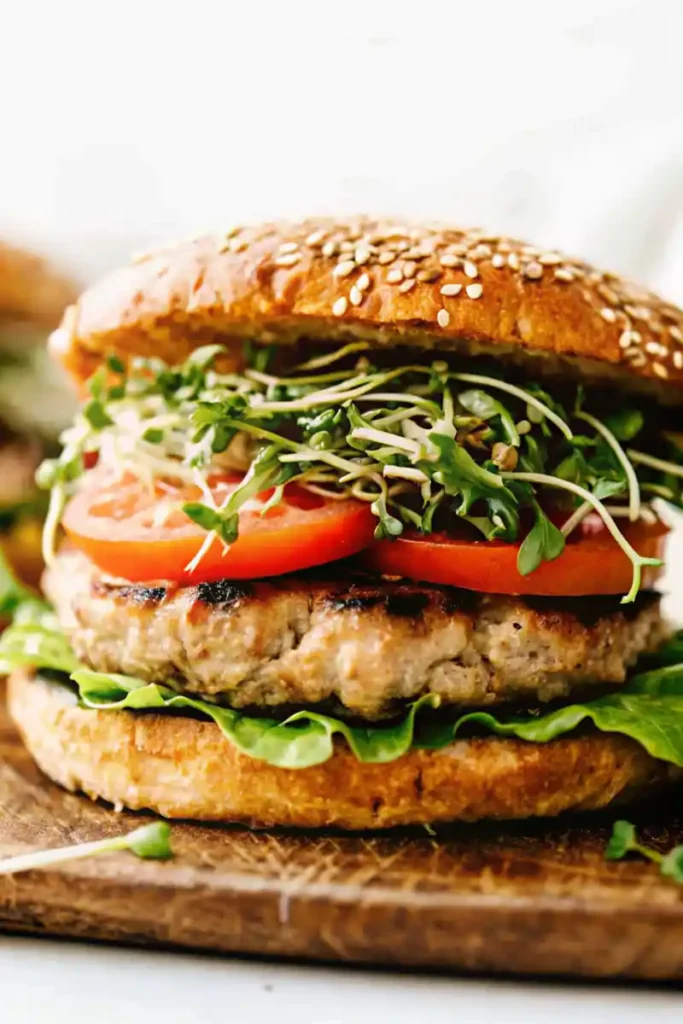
587	567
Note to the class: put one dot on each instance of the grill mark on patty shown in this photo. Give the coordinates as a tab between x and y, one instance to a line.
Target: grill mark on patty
222	593
401	599
401	605
136	594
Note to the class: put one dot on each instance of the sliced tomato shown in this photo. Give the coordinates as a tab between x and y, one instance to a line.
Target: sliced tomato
141	534
591	564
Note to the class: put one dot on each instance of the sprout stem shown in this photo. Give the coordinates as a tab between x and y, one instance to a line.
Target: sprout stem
524	396
633	486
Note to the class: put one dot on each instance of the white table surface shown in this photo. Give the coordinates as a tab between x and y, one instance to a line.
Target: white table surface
55	983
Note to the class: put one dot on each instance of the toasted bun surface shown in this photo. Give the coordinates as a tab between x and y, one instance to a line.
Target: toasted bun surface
30	289
389	284
184	768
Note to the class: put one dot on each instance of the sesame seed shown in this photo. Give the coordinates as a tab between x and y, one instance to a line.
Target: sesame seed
315	238
564	274
329	249
533	271
451	289
355	296
474	291
362	254
406	285
498	260
340	306
549	259
346	246
608	314
608	294
481	252
653	348
344	268
415	254
394	276
471	269
409	268
638	312
628	338
288	246
386	257
450	260
363	283
429	275
288	259
660	370
443	318
678	359
676	334
459	249
513	261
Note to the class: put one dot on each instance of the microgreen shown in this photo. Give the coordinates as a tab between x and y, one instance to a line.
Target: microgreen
389	526
431	431
150	842
485	407
624	840
543	543
455	469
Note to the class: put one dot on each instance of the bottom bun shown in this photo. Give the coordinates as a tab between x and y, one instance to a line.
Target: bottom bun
184	768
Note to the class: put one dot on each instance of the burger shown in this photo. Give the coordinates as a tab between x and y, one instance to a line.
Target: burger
359	525
33	407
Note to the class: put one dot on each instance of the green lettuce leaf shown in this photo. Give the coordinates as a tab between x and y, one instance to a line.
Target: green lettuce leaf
303	739
648	709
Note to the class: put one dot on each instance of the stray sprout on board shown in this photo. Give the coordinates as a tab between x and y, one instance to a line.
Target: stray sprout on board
150	842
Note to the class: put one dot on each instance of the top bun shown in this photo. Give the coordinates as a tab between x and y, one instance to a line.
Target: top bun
442	289
31	290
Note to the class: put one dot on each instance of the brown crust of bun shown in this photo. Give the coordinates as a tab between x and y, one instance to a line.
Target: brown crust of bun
184	768
31	289
277	282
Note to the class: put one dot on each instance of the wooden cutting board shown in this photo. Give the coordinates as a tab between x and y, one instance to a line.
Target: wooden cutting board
523	899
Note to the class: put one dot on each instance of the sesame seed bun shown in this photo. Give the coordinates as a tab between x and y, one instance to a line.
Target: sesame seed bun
31	290
442	289
184	768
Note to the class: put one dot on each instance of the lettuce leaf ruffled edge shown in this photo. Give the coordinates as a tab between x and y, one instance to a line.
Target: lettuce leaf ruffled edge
648	709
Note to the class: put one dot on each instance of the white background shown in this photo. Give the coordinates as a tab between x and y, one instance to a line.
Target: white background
124	123
130	121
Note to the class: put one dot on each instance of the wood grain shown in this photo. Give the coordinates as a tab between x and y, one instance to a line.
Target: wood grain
532	899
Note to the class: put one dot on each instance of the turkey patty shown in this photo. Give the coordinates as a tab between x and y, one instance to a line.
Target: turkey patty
362	643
